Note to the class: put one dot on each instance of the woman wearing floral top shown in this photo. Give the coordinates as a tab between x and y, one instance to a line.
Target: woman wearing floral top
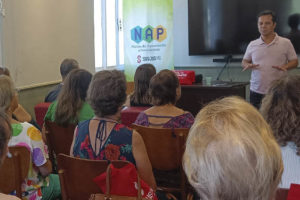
103	138
39	184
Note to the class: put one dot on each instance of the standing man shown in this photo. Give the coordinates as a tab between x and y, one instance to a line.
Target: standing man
269	57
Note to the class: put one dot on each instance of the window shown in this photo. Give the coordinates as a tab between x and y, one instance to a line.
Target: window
108	33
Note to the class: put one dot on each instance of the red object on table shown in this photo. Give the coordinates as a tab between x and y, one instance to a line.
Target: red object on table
185	77
129	114
40	111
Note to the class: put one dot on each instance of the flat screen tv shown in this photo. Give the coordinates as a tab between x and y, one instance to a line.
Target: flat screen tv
225	27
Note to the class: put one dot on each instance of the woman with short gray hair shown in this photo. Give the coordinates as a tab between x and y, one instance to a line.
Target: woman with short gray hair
103	137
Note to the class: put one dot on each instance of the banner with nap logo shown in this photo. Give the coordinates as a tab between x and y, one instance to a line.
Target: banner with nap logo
148	34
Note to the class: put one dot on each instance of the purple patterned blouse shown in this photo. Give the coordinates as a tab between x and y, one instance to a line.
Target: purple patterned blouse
185	120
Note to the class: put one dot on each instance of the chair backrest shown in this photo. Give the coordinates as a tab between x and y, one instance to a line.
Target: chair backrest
129	114
164	146
14	170
40	111
76	175
59	138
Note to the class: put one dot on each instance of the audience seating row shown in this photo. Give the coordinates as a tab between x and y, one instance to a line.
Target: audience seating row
164	147
76	185
128	114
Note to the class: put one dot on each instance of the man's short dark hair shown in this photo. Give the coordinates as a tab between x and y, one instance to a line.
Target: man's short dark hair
68	65
268	12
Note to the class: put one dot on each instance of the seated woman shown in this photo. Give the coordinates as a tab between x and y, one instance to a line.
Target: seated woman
103	137
5	135
165	90
281	109
231	153
39	183
71	107
20	113
140	95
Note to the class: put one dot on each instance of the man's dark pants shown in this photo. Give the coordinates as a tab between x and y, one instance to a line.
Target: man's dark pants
256	98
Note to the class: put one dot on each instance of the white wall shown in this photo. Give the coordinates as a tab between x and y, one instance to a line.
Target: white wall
181	42
39	34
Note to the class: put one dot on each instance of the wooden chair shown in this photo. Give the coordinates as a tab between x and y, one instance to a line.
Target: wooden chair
14	170
76	176
59	139
40	111
129	114
165	148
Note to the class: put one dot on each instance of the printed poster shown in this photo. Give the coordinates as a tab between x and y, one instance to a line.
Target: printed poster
148	37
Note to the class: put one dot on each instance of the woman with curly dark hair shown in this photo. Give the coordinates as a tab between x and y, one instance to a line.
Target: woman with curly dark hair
71	107
281	109
103	137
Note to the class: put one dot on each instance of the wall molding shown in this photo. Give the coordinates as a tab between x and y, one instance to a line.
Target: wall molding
32	86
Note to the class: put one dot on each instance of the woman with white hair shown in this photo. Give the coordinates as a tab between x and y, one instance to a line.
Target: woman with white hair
231	153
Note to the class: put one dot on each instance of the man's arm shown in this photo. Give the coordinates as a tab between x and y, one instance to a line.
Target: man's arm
290	65
247	64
